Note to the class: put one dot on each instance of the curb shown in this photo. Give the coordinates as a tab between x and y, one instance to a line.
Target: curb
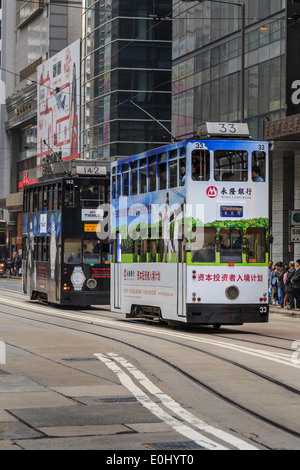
283	312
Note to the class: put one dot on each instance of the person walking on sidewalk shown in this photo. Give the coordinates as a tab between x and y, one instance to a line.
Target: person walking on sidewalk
296	283
289	288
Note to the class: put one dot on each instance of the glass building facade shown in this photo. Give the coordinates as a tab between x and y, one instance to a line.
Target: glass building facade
207	63
126	55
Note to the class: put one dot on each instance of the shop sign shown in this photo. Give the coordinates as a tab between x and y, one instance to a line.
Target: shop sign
282	128
25	179
23	108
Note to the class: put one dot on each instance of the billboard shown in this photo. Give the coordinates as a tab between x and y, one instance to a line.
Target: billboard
58	104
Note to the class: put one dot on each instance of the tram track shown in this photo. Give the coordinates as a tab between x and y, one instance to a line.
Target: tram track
175	367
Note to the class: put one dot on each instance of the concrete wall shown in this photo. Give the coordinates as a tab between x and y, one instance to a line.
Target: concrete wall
285	196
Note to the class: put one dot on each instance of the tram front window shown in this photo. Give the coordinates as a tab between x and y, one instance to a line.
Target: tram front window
96	252
203	246
231	246
72	251
91	252
255	245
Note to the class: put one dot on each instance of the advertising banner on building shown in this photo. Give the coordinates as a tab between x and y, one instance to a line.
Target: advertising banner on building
58	104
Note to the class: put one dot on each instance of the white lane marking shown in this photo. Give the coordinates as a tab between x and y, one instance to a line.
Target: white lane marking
278	358
167	401
155	409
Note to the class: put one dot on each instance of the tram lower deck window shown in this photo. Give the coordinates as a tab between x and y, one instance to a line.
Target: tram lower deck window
231	246
255	245
203	246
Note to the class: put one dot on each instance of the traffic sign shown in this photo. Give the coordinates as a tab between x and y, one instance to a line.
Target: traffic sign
295	234
295	218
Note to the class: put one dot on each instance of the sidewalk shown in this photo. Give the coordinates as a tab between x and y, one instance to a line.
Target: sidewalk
275	309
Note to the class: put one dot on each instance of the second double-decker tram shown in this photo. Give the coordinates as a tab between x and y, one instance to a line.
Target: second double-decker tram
65	262
190	228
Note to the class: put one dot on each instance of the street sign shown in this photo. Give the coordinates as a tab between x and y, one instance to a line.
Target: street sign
295	234
295	218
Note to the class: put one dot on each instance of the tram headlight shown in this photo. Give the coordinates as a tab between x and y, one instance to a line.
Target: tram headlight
91	283
232	292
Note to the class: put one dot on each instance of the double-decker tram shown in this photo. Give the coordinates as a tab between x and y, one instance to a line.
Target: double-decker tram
65	262
189	225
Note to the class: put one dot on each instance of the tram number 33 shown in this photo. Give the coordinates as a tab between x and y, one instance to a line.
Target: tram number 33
263	309
226	127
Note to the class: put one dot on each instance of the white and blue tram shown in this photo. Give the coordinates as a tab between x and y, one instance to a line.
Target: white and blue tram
190	228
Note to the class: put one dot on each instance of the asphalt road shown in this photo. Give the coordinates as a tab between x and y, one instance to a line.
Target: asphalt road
90	380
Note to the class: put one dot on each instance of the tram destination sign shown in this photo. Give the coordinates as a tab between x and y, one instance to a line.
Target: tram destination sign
231	211
223	129
86	170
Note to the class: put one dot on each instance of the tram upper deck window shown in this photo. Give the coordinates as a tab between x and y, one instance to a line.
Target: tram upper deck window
125	179
134	178
182	165
162	175
200	165
258	166
143	176
172	168
92	194
116	186
231	165
70	195
152	173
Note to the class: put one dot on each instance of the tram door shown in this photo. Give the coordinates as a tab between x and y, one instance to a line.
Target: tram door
181	281
116	274
181	289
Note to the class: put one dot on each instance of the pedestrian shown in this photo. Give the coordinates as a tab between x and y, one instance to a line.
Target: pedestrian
18	264
279	273
289	289
296	283
273	285
285	296
270	270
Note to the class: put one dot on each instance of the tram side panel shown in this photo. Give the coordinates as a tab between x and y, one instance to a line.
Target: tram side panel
148	287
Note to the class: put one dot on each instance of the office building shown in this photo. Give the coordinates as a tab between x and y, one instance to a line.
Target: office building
126	55
32	32
208	66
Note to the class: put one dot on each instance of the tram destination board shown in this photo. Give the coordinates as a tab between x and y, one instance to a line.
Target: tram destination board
85	170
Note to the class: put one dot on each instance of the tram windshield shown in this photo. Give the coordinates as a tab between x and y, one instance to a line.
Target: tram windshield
85	251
